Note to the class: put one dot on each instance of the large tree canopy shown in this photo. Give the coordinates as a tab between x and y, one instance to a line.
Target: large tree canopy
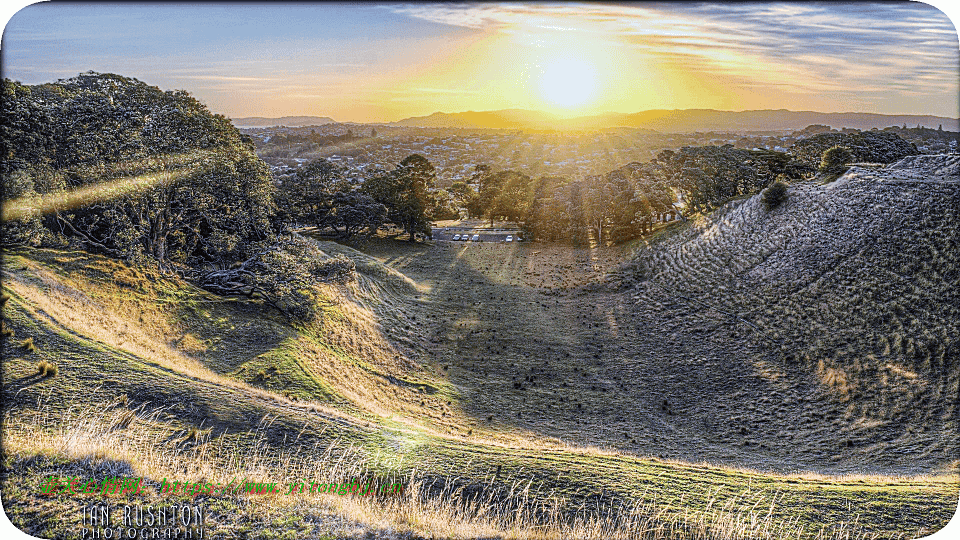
405	191
160	176
866	146
320	194
710	175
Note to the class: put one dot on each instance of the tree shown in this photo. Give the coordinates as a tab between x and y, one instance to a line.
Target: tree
487	191
405	193
868	146
710	175
355	213
319	193
443	205
509	193
169	180
835	160
463	194
306	197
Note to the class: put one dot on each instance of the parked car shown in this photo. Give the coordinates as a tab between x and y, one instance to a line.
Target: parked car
509	238
476	238
456	237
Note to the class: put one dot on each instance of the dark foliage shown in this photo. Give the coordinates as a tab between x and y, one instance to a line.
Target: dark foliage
774	195
162	177
835	160
866	146
319	194
710	175
406	193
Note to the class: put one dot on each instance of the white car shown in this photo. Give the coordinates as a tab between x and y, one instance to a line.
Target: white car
509	238
476	238
456	237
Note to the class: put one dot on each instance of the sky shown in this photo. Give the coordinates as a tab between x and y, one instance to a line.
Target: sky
385	62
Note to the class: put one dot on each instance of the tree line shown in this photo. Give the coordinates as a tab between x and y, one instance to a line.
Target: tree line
139	173
617	206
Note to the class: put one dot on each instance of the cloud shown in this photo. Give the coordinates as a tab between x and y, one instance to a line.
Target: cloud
819	46
228	78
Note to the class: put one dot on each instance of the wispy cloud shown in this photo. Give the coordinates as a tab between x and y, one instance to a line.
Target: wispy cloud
327	58
809	47
228	78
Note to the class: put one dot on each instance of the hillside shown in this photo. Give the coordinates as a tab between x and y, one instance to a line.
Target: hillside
782	373
676	121
842	303
503	119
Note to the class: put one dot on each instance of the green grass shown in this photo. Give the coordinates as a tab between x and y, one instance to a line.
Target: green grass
236	415
286	374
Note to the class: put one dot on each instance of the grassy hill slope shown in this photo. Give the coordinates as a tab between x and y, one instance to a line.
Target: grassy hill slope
845	298
523	391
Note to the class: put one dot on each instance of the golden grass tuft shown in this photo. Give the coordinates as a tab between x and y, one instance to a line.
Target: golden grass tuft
28	345
47	369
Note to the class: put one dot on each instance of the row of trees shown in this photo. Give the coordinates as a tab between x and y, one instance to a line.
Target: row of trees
624	202
866	146
617	206
319	194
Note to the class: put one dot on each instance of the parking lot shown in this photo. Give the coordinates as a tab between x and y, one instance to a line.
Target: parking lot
455	234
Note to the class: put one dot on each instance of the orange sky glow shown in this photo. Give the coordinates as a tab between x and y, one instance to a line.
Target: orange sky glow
371	63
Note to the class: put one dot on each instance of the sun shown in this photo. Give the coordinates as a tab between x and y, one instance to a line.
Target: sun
568	82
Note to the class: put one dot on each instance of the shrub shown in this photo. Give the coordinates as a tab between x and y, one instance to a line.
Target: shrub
775	194
47	369
28	345
835	160
283	276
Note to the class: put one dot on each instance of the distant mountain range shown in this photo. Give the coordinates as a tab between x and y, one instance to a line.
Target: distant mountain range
676	121
288	121
667	121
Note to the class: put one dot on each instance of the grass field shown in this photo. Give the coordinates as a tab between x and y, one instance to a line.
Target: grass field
748	374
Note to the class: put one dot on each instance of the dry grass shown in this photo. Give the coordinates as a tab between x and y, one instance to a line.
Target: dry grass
145	448
53	296
512	355
47	369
